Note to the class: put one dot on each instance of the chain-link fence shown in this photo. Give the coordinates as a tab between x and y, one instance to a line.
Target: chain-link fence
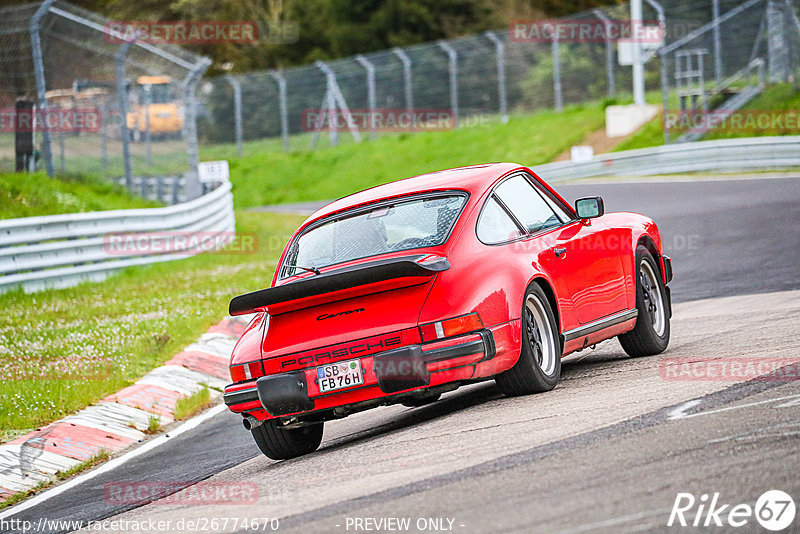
126	110
92	102
487	77
726	62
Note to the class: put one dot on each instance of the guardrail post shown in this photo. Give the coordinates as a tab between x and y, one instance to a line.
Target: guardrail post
500	55
284	107
406	61
237	111
123	113
41	87
452	59
193	187
559	101
364	62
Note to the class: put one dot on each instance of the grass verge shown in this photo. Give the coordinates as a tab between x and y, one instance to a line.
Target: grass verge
188	406
28	195
273	177
61	350
775	98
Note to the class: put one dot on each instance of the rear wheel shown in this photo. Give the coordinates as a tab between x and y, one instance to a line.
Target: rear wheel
282	443
539	366
651	334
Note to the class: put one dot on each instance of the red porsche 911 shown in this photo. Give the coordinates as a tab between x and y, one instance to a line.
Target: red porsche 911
402	292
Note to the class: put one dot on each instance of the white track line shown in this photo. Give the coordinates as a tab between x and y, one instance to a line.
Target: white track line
114	463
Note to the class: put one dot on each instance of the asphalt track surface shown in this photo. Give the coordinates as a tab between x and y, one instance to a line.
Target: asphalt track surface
606	451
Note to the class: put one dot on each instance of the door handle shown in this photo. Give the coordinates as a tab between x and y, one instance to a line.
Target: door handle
560	252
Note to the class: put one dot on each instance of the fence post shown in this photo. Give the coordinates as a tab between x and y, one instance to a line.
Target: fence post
364	62
330	102
717	43
500	55
610	81
193	187
452	58
148	145
664	93
123	113
278	77
62	153
237	111
559	101
105	114
41	87
406	61
793	59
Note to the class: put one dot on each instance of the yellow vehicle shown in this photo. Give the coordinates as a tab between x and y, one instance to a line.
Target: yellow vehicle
152	96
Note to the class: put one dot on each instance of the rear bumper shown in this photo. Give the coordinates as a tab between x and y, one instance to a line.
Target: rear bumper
391	372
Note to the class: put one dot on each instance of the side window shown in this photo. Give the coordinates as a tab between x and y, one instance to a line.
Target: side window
527	204
495	225
561	212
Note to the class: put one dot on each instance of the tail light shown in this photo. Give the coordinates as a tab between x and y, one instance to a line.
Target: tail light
451	327
246	371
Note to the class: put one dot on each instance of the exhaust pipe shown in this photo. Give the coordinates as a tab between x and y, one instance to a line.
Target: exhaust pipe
251	422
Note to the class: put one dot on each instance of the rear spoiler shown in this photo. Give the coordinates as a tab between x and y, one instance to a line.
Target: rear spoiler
300	294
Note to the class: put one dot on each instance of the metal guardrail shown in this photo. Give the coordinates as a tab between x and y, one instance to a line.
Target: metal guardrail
63	250
725	155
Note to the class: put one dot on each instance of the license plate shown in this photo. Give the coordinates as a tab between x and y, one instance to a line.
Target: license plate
339	375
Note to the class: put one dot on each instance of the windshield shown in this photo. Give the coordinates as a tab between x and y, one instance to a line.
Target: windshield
422	221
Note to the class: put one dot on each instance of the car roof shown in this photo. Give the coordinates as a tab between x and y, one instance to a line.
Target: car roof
475	179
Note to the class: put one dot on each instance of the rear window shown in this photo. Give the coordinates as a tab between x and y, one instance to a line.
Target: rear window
414	222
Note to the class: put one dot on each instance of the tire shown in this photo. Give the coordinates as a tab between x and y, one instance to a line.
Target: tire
539	366
651	334
415	402
281	444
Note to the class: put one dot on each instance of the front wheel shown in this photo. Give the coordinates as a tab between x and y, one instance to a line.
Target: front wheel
539	366
283	443
651	334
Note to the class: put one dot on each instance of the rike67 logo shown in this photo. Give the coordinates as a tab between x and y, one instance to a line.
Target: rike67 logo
774	510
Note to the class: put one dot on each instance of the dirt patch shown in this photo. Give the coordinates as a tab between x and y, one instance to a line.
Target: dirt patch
598	140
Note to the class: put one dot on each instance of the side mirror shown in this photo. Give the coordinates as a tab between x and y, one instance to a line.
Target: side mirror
589	207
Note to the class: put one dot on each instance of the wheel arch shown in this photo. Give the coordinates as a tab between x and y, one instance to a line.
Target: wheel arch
647	242
551	298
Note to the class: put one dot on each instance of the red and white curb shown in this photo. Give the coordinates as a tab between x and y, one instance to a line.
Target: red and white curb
118	421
